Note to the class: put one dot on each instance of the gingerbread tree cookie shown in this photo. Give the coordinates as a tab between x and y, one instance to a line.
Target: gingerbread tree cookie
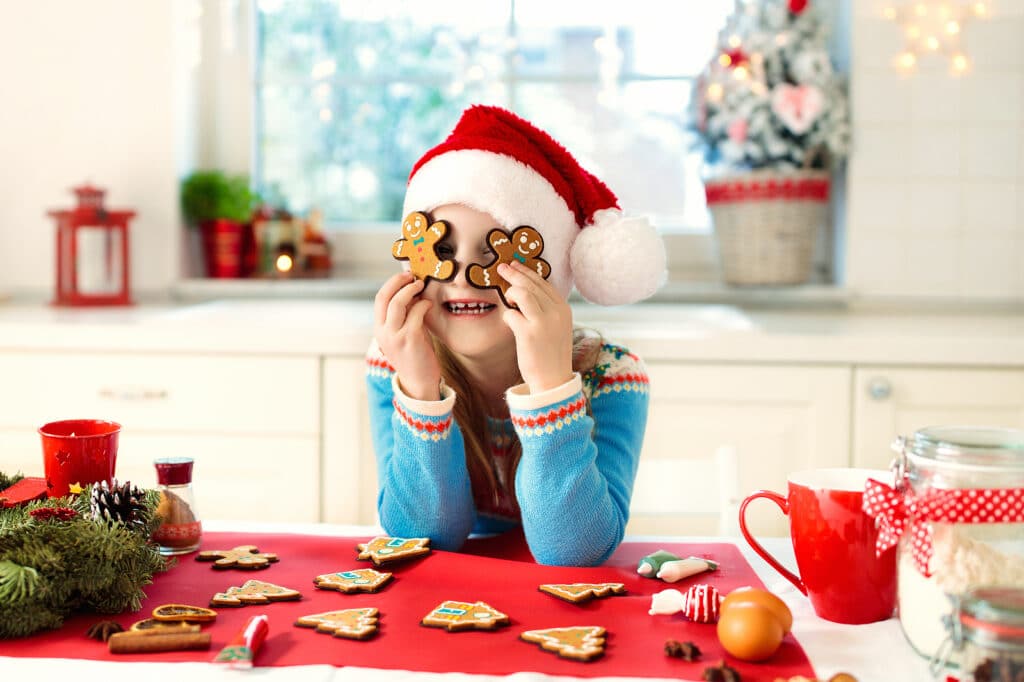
254	592
347	623
419	237
360	580
460	615
383	549
524	245
582	643
578	593
243	556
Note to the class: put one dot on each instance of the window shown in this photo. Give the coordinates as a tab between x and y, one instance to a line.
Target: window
350	94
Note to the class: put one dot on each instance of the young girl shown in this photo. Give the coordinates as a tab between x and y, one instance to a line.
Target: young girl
486	416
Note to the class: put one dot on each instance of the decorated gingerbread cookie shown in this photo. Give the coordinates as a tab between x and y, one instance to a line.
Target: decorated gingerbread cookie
360	580
419	237
582	643
524	245
247	557
347	623
184	612
254	592
577	593
384	550
460	615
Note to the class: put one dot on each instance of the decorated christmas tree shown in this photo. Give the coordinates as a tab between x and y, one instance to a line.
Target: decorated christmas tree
770	97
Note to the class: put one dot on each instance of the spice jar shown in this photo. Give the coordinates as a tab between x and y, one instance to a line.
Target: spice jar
180	530
963	524
987	631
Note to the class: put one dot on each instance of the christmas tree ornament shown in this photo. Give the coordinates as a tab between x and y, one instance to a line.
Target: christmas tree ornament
117	504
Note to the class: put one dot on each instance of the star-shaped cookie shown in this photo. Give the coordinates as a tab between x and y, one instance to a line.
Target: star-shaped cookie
382	550
359	580
347	623
243	556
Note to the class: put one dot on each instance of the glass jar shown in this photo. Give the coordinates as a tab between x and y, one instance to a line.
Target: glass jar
965	485
180	530
987	630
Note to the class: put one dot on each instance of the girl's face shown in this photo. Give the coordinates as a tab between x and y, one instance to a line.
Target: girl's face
465	319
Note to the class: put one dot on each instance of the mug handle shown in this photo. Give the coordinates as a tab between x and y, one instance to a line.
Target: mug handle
783	504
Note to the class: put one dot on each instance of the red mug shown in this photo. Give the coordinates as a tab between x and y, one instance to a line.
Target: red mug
834	543
78	451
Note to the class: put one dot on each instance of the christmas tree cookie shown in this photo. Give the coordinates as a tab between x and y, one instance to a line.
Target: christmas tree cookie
347	623
577	593
460	615
254	592
384	550
360	580
582	643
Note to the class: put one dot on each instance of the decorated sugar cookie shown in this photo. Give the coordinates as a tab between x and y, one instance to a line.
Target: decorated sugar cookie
247	557
583	643
254	592
382	550
578	593
417	245
347	623
459	615
359	580
524	245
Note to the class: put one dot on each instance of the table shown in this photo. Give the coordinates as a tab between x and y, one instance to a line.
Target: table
877	651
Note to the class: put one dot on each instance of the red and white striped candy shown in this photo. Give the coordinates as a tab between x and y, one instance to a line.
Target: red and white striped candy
700	603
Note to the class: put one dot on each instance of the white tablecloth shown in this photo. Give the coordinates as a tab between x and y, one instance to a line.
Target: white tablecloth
877	652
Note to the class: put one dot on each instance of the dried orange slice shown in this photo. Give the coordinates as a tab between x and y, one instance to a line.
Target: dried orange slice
179	612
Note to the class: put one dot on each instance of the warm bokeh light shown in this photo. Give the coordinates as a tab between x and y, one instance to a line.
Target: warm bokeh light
980	8
889	13
284	263
907	60
715	92
734	41
960	63
952	27
741	73
724	59
931	42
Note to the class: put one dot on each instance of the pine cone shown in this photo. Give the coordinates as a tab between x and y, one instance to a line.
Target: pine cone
119	503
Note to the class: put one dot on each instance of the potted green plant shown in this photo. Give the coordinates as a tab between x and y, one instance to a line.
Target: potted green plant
221	207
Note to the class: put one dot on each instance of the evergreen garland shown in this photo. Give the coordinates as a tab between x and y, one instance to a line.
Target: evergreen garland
53	563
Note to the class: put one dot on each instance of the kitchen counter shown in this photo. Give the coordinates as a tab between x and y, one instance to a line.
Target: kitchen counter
657	331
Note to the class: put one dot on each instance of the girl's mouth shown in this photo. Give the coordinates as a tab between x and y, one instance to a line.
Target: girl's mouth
468	307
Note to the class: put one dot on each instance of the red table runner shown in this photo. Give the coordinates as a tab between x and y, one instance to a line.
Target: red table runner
498	571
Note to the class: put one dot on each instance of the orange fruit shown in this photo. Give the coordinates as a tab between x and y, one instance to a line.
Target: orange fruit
752	595
749	631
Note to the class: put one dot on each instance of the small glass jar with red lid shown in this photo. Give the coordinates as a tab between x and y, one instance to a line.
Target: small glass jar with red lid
180	529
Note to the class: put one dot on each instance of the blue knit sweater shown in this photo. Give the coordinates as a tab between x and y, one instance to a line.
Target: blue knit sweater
574	480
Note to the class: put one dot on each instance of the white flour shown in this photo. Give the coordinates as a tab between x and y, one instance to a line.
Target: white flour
964	556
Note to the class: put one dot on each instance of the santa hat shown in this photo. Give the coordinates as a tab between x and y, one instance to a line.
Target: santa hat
498	163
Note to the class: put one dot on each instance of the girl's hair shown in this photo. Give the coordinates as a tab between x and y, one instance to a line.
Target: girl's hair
471	417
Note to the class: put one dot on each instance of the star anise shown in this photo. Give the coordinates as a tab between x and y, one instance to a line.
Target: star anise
721	673
102	630
687	651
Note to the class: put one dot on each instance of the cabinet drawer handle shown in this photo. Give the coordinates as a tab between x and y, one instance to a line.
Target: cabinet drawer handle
879	388
133	395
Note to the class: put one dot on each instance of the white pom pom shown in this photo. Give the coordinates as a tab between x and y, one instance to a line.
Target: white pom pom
617	260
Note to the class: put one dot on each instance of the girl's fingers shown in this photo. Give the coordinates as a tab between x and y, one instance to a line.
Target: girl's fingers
386	293
398	308
414	319
526	299
518	274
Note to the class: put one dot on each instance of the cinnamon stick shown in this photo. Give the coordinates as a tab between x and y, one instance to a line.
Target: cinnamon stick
138	643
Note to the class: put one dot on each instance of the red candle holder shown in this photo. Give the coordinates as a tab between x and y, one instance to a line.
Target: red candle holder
79	452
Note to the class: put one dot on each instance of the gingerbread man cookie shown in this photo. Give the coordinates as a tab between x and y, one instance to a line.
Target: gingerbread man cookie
420	236
244	556
524	245
347	623
360	580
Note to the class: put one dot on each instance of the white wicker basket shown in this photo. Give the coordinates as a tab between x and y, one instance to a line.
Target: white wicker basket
766	224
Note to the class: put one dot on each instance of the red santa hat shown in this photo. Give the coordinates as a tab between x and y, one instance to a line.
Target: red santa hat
498	163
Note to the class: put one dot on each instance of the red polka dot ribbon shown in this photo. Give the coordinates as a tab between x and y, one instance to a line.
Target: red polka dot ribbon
894	511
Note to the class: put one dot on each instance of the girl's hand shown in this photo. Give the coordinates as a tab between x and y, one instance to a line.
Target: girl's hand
403	338
542	327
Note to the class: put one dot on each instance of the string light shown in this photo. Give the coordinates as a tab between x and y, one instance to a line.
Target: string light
934	27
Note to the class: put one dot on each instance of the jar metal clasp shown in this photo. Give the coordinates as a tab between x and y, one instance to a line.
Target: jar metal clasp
899	462
953	642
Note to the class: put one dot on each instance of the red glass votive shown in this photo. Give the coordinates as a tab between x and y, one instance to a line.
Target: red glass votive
78	451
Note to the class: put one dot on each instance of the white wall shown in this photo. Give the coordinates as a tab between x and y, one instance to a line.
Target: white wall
936	181
103	90
89	94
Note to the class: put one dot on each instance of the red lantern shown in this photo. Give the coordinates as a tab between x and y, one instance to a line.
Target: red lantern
92	252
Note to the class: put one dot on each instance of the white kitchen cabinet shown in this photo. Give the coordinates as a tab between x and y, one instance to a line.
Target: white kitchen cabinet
349	465
251	422
895	401
769	420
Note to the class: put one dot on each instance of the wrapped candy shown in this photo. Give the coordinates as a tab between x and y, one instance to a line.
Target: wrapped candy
699	603
243	647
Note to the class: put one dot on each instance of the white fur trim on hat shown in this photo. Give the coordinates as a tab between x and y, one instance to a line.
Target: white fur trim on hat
507	189
618	260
